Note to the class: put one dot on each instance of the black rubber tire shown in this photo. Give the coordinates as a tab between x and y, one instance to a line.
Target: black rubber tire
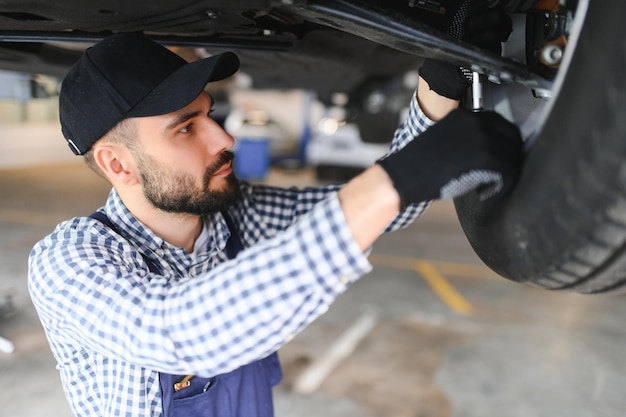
564	225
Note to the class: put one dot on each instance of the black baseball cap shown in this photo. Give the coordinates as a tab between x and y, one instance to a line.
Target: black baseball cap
128	75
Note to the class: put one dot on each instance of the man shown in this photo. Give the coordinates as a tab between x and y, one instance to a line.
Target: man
175	298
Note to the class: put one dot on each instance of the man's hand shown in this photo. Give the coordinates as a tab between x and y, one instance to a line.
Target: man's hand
462	152
484	27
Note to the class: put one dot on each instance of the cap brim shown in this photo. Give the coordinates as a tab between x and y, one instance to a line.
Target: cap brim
185	84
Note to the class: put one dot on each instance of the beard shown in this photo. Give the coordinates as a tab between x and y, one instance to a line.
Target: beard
179	193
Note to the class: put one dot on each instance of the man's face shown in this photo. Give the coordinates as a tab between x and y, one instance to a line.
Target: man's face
187	168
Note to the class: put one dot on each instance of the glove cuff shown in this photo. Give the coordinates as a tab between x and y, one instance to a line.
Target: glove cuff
396	180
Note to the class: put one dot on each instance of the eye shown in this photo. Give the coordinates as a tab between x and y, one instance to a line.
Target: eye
211	111
186	129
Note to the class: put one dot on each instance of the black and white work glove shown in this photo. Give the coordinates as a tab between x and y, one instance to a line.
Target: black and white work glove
464	151
475	23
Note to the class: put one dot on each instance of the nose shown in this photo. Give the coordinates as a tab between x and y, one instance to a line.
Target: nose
217	139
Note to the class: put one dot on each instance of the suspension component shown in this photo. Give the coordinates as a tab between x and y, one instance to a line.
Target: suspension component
547	28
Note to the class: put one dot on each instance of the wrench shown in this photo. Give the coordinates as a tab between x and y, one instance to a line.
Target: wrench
477	91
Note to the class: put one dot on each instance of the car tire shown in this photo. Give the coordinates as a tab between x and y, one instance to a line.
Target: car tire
563	227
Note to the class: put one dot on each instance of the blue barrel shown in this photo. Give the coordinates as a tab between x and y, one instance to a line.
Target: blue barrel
252	158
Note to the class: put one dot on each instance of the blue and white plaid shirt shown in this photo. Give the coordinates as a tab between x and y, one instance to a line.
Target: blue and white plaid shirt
112	325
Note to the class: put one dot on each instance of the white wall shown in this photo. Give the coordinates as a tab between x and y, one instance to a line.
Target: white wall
30	134
27	144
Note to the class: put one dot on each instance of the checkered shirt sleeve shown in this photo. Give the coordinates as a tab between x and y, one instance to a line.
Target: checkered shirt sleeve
112	325
415	124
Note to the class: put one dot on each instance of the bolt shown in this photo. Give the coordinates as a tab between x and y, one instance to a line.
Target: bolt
552	54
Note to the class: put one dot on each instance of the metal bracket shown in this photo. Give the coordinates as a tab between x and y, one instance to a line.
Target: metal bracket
405	33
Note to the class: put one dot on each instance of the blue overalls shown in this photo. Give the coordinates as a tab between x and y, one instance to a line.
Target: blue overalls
244	392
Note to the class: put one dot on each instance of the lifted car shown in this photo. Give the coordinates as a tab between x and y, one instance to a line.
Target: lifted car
561	79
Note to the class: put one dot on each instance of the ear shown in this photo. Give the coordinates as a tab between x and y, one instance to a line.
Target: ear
117	163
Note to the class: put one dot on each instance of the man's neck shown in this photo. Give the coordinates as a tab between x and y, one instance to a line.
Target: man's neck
180	230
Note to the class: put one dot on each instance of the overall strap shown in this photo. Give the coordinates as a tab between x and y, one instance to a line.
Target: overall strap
234	244
103	218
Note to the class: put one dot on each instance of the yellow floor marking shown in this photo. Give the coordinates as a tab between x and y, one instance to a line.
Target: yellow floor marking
442	287
433	273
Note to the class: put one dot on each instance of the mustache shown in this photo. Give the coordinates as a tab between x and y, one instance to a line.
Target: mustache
224	158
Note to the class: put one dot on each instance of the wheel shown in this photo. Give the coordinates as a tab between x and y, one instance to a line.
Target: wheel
563	227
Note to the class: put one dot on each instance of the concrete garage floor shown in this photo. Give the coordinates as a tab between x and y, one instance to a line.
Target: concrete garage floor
429	333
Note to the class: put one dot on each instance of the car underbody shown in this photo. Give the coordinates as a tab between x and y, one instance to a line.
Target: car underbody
325	46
